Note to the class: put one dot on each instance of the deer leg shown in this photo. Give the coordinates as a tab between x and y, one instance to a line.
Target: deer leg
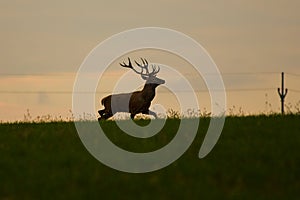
101	112
104	115
153	114
150	112
132	116
107	115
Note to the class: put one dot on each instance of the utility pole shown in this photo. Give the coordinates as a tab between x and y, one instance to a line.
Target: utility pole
282	93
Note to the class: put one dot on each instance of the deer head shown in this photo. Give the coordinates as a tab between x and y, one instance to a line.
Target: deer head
150	77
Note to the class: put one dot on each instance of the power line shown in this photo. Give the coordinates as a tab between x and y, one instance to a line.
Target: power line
74	73
292	90
35	74
179	91
294	74
69	74
84	92
42	92
248	73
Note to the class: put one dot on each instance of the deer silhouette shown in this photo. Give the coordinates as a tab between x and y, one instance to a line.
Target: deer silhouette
135	102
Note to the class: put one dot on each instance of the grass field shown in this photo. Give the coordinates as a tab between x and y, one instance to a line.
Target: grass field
256	157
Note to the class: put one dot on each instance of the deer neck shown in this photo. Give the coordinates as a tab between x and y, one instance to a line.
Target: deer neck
149	91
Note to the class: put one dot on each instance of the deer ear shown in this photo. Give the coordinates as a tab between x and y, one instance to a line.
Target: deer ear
144	77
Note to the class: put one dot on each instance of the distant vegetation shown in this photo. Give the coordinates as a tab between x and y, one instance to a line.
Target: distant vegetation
170	114
257	157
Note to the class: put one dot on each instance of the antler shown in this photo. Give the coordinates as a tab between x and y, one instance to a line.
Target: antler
130	66
144	68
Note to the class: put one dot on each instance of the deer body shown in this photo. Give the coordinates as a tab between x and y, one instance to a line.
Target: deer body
135	102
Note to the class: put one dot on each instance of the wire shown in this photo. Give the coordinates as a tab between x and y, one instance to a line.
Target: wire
42	92
84	92
68	74
293	74
34	74
292	90
179	91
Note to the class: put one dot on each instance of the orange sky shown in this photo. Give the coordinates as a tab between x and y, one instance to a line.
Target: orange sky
51	39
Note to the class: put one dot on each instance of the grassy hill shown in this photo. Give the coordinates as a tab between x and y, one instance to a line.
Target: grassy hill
256	157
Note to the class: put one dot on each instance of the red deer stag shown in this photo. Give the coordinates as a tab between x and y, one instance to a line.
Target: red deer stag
136	102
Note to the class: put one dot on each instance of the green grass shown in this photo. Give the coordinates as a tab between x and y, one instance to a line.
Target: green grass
256	157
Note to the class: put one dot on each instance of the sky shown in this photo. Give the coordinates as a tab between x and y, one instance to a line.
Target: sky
43	44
